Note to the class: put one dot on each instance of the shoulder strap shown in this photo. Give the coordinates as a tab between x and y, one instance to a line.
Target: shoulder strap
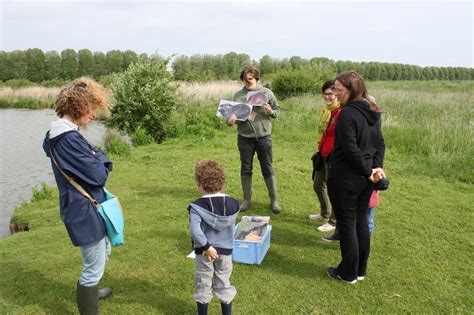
73	182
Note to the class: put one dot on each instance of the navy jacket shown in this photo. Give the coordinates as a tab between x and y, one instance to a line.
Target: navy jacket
89	167
212	222
359	145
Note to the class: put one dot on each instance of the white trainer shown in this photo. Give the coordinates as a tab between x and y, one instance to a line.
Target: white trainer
326	227
317	217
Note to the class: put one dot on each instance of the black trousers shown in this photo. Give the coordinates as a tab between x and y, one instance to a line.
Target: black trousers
247	149
350	201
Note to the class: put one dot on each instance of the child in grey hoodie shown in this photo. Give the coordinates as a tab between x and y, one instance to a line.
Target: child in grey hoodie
212	222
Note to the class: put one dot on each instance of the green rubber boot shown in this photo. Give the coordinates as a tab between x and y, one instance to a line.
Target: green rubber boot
247	190
272	193
87	299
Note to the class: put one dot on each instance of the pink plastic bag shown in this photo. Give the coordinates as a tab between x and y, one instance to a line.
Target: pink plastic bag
374	199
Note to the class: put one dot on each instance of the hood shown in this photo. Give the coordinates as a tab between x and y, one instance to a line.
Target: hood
58	129
362	107
215	221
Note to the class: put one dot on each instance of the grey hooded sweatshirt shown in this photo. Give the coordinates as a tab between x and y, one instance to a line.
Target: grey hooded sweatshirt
212	222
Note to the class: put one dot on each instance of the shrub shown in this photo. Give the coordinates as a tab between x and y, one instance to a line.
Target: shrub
19	83
114	143
288	83
145	99
139	138
108	79
42	193
54	83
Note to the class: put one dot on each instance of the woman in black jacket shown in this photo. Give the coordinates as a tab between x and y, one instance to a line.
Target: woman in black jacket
355	165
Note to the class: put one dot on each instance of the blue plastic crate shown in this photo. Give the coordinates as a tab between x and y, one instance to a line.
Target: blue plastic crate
252	252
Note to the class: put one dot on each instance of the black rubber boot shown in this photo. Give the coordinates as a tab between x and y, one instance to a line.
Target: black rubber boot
202	308
272	193
247	191
226	308
87	299
105	293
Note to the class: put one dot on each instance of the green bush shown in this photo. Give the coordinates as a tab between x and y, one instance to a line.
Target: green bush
19	83
108	79
288	83
140	137
118	147
114	143
42	193
54	83
145	99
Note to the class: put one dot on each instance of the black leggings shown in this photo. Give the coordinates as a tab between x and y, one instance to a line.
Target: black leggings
350	200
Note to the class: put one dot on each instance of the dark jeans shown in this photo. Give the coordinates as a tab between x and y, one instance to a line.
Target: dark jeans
350	202
247	149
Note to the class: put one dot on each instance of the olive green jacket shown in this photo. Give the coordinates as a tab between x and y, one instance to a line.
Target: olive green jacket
261	125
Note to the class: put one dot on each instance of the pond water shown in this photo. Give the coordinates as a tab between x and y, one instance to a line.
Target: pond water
23	163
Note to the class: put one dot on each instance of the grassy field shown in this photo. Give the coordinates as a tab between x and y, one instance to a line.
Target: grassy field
422	247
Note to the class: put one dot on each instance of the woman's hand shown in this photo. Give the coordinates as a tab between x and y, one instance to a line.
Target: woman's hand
232	120
211	253
377	175
268	109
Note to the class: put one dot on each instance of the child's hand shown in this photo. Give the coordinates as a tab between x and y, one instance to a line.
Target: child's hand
211	253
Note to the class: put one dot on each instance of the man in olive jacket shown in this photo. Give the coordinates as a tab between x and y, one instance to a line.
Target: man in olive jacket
255	135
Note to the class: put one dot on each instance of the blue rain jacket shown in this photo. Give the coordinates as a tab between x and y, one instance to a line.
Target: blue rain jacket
89	167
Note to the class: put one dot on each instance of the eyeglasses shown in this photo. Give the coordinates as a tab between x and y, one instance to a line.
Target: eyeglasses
340	91
328	95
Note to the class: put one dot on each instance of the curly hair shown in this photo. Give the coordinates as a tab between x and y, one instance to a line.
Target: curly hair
79	97
210	175
250	69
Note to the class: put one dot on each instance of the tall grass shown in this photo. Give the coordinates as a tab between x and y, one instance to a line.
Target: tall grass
427	125
28	97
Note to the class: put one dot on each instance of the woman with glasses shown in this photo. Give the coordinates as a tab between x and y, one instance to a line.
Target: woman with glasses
326	126
355	165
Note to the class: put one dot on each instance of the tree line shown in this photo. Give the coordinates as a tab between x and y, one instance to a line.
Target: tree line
37	66
212	67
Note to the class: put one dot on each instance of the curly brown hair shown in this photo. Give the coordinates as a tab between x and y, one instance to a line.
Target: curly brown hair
82	95
210	175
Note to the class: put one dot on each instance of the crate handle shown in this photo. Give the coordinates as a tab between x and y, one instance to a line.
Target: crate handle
243	246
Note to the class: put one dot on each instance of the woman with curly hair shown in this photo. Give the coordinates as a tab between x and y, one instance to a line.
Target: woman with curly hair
76	107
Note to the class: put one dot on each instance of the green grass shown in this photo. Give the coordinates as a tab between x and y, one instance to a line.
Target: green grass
422	247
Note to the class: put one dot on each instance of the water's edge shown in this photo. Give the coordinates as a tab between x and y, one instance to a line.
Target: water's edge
24	164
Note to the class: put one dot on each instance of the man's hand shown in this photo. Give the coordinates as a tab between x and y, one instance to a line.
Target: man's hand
232	120
211	253
268	109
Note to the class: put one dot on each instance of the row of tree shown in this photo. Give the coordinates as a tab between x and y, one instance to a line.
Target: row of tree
212	67
37	66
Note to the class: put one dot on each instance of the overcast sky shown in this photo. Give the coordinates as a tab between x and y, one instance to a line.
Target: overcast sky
425	33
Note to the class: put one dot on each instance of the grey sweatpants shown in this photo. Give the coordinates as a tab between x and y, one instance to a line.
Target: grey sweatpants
221	269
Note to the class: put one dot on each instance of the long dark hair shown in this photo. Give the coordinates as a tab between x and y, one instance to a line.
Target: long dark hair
352	81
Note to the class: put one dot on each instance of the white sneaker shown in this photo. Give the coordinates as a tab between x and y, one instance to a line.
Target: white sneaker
360	278
317	217
326	227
